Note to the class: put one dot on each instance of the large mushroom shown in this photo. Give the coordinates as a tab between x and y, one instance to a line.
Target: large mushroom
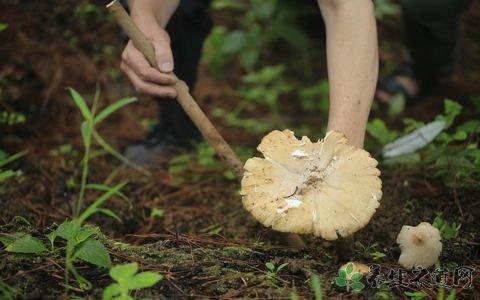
420	245
328	188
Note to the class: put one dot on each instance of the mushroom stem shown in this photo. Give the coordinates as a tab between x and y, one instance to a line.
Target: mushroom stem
344	248
188	103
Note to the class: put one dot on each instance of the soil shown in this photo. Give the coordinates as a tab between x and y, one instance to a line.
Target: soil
205	245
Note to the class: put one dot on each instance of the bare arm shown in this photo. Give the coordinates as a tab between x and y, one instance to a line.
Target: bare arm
152	17
352	59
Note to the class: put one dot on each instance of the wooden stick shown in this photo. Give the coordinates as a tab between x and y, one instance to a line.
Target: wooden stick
186	100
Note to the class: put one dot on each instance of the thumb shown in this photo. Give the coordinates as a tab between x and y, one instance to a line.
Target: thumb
163	54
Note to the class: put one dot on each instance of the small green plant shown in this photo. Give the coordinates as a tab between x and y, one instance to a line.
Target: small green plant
128	280
453	156
3	26
11	118
82	240
447	230
265	23
372	251
203	157
350	279
5	159
384	292
416	295
271	275
90	134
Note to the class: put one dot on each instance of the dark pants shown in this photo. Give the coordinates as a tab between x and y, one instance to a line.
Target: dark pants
431	28
188	29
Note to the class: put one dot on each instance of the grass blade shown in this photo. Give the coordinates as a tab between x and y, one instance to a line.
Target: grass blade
12	158
113	108
117	155
93	208
81	104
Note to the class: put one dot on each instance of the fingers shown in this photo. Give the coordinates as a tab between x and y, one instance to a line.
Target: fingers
163	54
139	64
146	87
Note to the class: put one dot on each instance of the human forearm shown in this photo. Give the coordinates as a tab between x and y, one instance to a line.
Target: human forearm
352	54
148	11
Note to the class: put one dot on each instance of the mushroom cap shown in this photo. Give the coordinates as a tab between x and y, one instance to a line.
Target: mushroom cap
328	188
358	267
420	245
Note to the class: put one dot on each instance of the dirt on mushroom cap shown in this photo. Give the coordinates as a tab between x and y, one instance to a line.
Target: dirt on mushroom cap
328	188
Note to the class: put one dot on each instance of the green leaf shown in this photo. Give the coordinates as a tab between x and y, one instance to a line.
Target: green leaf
94	252
68	230
282	266
270	266
104	188
340	281
316	286
143	280
157	212
380	132
233	42
26	244
342	274
349	268
86	130
471	126
111	291
81	104
124	271
11	158
52	236
396	105
3	26
4	175
8	239
113	108
109	213
460	135
85	233
357	286
356	276
452	295
452	110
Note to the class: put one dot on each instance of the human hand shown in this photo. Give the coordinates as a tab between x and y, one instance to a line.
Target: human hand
145	78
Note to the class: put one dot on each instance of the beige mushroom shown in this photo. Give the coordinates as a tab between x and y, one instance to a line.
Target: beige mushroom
420	245
328	188
358	267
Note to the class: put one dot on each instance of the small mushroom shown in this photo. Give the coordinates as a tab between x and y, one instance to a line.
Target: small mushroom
358	267
328	188
420	245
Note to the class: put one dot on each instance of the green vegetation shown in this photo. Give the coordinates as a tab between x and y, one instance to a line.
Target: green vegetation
128	280
271	276
187	222
454	155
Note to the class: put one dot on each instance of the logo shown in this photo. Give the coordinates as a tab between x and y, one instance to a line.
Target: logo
459	277
349	278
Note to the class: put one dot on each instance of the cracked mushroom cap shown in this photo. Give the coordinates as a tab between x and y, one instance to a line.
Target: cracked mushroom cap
328	188
420	245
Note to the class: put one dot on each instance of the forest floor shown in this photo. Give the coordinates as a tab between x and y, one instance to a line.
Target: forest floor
205	244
